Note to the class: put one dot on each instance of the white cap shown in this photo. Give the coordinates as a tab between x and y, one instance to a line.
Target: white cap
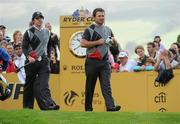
123	54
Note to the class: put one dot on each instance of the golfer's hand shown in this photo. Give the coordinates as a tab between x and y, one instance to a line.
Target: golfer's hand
31	59
100	41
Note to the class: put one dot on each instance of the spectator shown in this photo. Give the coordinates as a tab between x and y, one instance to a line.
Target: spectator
3	29
152	50
173	53
19	62
176	47
3	44
149	65
10	51
115	49
158	39
157	46
54	63
54	40
139	50
126	65
114	65
165	61
11	67
4	60
5	91
165	65
17	37
149	62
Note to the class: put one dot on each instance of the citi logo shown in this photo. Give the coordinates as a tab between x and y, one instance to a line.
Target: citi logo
156	84
160	98
70	97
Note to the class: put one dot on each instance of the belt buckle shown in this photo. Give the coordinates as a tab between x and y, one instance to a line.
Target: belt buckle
39	58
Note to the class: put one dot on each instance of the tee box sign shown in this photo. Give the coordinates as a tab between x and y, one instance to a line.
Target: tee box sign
72	70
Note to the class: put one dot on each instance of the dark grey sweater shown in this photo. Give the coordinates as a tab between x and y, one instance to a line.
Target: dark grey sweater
37	40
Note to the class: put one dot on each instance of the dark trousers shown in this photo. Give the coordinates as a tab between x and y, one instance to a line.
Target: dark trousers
94	69
36	86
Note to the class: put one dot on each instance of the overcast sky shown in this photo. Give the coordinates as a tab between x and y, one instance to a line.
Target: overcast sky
133	22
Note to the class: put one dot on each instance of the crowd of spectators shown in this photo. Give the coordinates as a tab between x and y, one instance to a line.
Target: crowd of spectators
157	56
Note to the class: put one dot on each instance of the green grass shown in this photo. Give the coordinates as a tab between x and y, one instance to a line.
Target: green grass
62	117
